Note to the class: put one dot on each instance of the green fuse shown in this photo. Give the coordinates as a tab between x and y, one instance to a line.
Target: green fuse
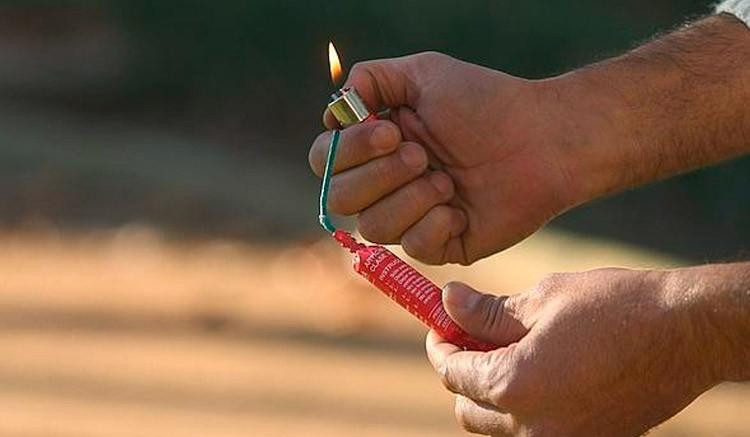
325	220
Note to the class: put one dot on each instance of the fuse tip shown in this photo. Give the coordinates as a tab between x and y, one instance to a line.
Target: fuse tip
347	240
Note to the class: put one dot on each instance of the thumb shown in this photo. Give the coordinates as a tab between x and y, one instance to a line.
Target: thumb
384	83
387	83
487	317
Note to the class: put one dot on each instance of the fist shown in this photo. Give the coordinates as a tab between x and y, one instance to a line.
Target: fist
469	161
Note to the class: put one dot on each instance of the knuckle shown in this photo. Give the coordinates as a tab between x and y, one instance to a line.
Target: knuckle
358	68
491	379
493	312
441	185
412	160
430	55
512	384
551	282
461	411
444	374
465	258
426	61
509	390
363	68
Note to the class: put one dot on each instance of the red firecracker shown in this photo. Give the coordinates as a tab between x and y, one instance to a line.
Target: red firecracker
402	283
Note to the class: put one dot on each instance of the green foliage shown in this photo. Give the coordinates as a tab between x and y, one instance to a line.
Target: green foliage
268	58
217	47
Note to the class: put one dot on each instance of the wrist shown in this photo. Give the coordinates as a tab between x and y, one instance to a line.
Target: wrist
713	304
593	131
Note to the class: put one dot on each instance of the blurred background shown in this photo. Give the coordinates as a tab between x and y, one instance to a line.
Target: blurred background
161	270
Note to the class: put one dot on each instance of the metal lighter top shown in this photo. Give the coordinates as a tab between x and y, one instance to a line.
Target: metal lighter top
348	108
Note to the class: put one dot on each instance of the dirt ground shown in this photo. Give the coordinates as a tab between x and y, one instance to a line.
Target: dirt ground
122	333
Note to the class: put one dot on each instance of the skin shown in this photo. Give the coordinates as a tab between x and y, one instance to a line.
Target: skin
448	171
473	160
607	352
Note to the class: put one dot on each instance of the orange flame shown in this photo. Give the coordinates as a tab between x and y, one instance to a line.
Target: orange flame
334	63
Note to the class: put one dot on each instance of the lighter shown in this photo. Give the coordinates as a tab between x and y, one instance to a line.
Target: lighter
381	267
346	104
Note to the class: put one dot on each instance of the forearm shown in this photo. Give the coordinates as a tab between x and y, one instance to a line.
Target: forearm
672	105
713	301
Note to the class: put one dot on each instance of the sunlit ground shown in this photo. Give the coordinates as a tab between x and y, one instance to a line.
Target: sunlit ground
124	333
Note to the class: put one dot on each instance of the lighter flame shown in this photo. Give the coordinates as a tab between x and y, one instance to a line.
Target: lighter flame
334	63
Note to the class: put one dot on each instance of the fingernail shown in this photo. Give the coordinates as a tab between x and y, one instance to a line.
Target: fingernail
460	296
382	137
442	182
413	156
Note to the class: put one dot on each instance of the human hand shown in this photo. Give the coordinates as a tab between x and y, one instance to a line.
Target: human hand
607	352
471	161
507	154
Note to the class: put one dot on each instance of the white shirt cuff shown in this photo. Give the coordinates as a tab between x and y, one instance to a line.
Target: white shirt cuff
738	8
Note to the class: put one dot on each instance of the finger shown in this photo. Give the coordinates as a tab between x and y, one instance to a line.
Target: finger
390	83
438	349
460	371
358	144
413	129
487	317
329	121
386	220
433	239
382	84
386	83
482	418
357	188
478	375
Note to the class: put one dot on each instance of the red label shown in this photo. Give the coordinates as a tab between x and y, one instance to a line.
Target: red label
402	283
